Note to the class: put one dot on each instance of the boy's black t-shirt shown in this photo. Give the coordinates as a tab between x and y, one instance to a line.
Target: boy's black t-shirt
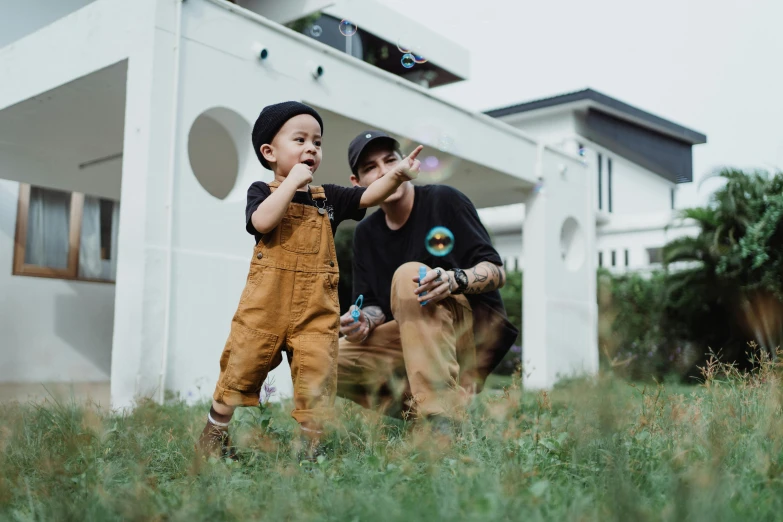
379	251
341	203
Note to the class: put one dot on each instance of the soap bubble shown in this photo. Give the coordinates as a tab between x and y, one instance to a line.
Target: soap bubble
419	59
582	151
445	142
348	28
436	170
404	49
408	60
440	241
410	44
315	31
430	164
539	186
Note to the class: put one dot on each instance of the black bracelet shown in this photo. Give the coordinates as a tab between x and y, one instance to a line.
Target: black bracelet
462	281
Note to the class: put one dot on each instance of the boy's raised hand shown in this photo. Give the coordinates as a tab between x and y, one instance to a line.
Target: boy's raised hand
408	167
300	175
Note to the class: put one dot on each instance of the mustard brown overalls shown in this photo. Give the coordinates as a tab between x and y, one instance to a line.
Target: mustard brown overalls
289	302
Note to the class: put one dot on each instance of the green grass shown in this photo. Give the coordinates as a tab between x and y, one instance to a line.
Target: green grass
590	450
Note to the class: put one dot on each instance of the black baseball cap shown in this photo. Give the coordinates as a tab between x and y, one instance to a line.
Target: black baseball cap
360	143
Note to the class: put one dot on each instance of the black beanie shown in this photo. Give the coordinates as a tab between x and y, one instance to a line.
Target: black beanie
273	117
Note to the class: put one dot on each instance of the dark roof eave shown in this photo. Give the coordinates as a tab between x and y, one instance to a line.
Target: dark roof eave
678	131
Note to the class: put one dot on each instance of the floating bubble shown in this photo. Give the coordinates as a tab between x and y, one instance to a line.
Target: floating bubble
410	43
582	151
408	60
440	241
445	142
539	186
348	28
315	31
430	164
435	169
419	59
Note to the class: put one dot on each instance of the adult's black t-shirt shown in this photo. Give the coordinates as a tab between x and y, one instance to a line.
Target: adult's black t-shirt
341	203
379	251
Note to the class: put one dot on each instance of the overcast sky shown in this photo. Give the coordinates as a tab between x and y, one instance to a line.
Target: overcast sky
715	66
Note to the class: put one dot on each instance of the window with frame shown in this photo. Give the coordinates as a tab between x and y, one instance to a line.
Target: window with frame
600	182
655	255
609	184
65	235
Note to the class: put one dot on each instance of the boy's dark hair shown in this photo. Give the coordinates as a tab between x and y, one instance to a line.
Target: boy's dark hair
272	118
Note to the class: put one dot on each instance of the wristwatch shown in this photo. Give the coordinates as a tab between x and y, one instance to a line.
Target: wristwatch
462	280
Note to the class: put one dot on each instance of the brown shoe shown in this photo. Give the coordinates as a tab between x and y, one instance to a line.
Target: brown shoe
311	450
215	442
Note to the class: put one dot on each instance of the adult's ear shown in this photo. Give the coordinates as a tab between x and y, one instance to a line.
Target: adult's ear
268	153
355	181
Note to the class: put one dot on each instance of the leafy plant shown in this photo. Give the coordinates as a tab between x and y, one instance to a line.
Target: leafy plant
733	269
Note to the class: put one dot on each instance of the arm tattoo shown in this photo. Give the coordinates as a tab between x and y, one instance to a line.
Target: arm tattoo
488	273
375	317
480	275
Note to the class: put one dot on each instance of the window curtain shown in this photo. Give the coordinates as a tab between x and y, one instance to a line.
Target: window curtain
48	225
90	263
115	231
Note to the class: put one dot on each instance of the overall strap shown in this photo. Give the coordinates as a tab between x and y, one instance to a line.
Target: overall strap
317	192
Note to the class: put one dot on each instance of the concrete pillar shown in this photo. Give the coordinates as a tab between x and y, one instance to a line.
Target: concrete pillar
559	296
142	275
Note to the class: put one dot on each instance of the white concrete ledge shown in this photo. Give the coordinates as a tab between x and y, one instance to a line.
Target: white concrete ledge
96	36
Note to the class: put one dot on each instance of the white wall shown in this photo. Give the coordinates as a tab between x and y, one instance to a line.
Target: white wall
549	128
50	329
560	337
637	242
641	201
20	18
635	190
509	246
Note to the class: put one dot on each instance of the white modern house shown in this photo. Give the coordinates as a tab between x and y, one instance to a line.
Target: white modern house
635	161
125	158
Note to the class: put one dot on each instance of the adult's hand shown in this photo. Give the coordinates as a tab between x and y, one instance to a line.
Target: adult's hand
437	283
408	167
355	332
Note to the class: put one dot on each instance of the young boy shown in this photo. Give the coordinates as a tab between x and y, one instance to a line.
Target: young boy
290	299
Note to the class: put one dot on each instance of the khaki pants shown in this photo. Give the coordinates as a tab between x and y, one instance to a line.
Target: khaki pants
422	363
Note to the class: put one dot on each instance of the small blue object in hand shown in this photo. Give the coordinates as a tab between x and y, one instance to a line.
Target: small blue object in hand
355	311
422	275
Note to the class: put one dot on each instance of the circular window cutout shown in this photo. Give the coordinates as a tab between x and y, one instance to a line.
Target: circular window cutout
215	156
572	244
